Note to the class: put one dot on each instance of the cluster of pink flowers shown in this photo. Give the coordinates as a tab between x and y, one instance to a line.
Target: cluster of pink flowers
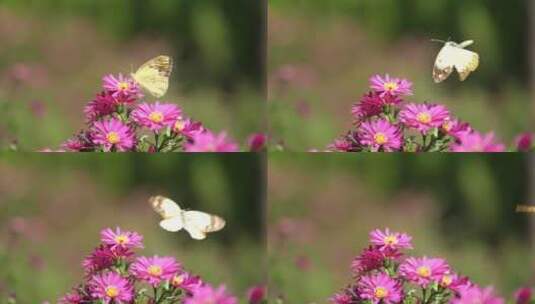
115	275
383	274
385	122
120	120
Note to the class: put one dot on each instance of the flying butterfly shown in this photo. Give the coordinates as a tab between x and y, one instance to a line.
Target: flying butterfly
154	74
454	55
174	219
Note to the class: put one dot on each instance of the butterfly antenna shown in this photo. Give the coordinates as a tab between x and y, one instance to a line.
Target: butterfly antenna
438	40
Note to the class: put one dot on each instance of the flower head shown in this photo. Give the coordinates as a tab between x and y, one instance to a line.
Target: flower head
103	104
423	271
523	295
380	288
74	144
112	134
423	117
345	296
390	240
369	259
478	295
210	142
454	282
371	104
257	142
156	116
186	281
122	89
209	295
256	294
71	298
476	142
390	86
155	269
121	239
380	135
455	128
111	287
524	142
188	128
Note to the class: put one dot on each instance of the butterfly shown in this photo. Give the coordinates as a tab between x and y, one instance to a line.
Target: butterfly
154	74
454	55
196	223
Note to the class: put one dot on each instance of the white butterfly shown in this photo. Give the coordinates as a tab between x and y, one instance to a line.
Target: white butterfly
154	74
196	223
453	55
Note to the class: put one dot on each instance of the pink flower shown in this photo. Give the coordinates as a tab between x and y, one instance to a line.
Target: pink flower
380	135
74	145
210	142
390	86
340	145
477	295
476	142
110	287
112	134
423	117
156	116
210	295
523	295
524	142
343	297
71	298
380	288
455	128
103	104
257	142
423	271
188	128
256	294
454	282
369	259
155	269
122	89
390	240
186	281
104	257
369	105
121	239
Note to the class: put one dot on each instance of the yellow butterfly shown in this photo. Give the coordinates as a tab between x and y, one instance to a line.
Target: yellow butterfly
196	223
154	74
453	55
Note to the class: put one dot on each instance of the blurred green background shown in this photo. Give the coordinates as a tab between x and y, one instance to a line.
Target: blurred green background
460	207
53	207
54	54
321	54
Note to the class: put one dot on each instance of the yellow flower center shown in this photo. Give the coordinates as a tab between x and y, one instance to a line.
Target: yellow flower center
424	117
390	86
380	138
447	126
380	292
179	126
155	270
177	280
424	271
446	280
113	138
156	116
122	239
391	240
112	291
123	86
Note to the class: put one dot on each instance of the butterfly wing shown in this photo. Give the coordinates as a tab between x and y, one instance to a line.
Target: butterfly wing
198	224
153	75
170	211
444	63
465	62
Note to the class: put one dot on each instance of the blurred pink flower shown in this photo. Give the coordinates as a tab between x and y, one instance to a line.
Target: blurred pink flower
186	281
523	295
208	294
477	295
256	294
455	128
210	142
476	142
524	142
257	142
188	128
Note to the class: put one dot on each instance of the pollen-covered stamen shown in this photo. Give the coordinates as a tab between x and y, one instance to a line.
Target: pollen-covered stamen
122	239
112	291
123	86
177	280
390	86
380	138
155	270
179	125
424	271
446	280
380	292
156	116
113	137
424	117
391	240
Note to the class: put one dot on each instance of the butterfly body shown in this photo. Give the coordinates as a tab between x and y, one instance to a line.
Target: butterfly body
154	75
174	219
454	56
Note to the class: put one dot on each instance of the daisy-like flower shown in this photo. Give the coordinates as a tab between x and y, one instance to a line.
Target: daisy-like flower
477	142
390	86
477	295
369	259
340	145
257	142
380	135
186	281
390	240
156	116
155	269
71	298
121	239
524	142
369	105
423	271
454	282
523	295
122	89
188	128
74	145
104	257
256	294
455	128
112	134
210	142
110	287
210	295
103	104
343	297
423	117
381	288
